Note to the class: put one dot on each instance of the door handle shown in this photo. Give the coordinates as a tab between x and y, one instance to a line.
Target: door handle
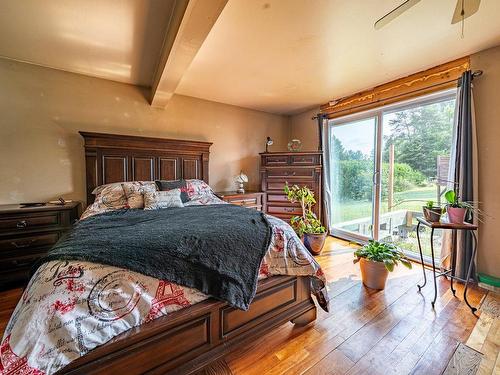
375	175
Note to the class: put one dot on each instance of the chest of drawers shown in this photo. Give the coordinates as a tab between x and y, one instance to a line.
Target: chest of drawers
294	168
26	234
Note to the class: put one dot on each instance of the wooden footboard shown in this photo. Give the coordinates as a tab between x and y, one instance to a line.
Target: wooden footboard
189	339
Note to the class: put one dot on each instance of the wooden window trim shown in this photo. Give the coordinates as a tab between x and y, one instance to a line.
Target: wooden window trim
439	78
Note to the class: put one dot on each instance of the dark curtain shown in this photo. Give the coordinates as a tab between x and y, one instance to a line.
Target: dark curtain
324	147
463	163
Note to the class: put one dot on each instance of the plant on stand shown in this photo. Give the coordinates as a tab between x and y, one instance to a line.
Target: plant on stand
432	212
376	259
307	226
457	210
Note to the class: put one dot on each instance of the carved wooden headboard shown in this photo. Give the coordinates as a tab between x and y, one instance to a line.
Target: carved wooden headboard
115	158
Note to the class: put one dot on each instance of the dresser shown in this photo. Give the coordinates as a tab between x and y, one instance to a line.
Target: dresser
28	233
249	199
294	168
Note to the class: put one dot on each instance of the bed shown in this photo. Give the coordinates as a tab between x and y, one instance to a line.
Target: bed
179	330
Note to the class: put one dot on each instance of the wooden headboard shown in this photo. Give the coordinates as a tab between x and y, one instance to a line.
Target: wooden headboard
115	158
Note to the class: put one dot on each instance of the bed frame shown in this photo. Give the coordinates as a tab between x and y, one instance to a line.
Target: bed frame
116	158
187	340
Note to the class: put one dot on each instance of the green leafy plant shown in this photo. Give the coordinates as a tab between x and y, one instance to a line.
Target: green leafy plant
386	253
454	201
429	204
308	222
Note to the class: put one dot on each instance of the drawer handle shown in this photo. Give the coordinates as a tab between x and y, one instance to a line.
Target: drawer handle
20	245
289	209
293	174
21	224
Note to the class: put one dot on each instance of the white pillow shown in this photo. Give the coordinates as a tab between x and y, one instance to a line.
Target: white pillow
154	200
134	191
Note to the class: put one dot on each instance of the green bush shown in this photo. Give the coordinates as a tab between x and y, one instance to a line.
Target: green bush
405	178
355	178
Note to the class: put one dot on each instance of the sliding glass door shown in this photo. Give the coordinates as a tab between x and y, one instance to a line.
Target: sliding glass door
352	160
385	165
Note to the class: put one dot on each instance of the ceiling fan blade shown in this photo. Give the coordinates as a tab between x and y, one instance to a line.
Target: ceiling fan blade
470	7
395	13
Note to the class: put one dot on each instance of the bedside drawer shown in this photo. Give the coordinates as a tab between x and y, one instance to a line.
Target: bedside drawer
26	234
25	222
247	201
284	210
291	173
304	160
19	262
27	242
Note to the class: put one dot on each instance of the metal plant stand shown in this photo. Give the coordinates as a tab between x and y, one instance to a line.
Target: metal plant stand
451	272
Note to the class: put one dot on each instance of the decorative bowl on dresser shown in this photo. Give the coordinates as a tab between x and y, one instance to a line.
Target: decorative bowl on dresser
28	233
250	199
294	168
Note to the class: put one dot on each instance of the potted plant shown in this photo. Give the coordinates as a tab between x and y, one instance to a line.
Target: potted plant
432	213
457	210
376	260
307	226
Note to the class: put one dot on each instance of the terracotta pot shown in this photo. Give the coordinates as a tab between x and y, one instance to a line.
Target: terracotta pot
432	214
374	274
456	215
314	242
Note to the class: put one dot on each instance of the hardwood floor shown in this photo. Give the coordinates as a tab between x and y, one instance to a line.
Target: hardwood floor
485	338
394	331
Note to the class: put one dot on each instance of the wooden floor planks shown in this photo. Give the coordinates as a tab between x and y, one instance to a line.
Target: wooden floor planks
485	337
465	361
388	332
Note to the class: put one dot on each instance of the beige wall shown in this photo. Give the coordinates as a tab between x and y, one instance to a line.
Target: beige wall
487	109
41	111
303	127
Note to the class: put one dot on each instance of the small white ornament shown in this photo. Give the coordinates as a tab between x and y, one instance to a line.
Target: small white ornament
241	179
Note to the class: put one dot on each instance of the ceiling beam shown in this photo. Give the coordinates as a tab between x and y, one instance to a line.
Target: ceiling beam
190	23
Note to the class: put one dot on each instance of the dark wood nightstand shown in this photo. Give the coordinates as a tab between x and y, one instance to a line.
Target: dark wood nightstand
250	199
26	234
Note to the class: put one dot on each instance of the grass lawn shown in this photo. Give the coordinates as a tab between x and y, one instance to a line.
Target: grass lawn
351	210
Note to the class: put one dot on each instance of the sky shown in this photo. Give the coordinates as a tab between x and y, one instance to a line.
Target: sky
357	135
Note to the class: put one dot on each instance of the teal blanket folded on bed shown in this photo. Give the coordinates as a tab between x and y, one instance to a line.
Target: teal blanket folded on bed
216	249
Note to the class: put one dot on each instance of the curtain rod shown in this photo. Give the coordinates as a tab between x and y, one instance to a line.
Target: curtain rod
475	73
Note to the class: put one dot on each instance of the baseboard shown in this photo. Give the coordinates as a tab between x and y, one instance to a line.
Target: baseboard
489	282
489	287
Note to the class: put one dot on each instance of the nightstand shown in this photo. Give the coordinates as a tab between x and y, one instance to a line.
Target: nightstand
249	199
26	234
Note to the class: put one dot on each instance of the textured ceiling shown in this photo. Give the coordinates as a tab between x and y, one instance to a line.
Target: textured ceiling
117	40
286	55
279	56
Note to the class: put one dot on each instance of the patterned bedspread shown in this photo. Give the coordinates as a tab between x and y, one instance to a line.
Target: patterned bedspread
70	308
